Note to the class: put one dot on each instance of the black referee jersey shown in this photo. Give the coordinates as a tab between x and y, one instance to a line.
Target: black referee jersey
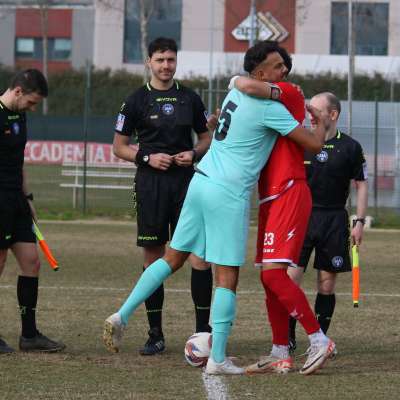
329	172
162	120
12	145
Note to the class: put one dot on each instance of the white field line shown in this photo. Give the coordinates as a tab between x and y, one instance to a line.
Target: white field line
215	387
99	221
240	292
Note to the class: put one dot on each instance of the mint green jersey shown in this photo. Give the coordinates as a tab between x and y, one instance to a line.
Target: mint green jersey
243	140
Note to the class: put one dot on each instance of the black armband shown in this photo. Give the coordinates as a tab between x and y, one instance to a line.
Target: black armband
29	196
142	157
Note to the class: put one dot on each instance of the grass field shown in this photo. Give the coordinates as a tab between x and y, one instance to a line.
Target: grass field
99	263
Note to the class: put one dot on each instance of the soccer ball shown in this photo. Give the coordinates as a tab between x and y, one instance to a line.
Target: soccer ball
197	349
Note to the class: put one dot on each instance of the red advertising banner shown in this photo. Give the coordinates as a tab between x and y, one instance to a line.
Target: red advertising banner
51	152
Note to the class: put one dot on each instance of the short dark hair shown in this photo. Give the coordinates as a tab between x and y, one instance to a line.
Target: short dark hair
30	81
287	59
162	44
258	53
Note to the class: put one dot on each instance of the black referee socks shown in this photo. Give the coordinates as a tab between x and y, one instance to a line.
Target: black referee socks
324	308
27	294
201	285
154	305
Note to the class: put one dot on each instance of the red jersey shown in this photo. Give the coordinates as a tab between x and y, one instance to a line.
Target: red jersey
286	162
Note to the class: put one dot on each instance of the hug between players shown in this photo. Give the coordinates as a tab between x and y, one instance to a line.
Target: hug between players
305	176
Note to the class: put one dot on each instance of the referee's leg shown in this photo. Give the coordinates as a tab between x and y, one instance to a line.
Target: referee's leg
4	347
154	305
31	339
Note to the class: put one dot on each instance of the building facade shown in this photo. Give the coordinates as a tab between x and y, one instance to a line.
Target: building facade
212	34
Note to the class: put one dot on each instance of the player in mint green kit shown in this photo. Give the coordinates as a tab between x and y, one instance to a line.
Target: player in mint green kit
213	223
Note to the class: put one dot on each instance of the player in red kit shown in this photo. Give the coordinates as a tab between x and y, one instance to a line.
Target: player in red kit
285	206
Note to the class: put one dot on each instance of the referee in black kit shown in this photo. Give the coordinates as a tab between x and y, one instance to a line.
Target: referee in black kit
162	114
25	92
329	175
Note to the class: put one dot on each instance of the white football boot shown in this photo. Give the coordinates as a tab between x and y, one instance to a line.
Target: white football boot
317	356
227	367
113	332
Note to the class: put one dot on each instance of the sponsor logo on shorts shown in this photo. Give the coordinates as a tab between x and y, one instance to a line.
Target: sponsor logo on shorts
322	157
337	262
167	109
120	122
148	237
8	237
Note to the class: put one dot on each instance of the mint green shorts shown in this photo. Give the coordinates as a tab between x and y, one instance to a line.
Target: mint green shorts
213	223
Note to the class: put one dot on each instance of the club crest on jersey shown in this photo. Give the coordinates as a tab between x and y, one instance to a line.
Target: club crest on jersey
167	109
337	262
15	128
322	157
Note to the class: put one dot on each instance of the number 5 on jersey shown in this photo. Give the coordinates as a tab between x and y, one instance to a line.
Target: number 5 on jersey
224	120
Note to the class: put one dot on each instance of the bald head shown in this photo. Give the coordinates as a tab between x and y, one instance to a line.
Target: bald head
332	101
329	107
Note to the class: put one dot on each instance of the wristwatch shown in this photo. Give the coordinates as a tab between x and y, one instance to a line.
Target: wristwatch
361	220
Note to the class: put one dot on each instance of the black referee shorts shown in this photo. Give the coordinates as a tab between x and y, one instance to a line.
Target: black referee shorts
15	219
329	234
159	196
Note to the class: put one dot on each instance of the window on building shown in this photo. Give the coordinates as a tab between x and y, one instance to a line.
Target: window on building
59	49
31	48
28	48
370	21
165	20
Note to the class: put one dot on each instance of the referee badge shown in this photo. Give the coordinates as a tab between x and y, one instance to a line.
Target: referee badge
15	128
322	157
167	109
337	262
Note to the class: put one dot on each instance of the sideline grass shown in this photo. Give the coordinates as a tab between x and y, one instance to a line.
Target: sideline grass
99	264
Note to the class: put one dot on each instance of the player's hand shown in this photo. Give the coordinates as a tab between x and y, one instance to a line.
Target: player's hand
315	115
33	210
160	161
212	120
184	159
357	234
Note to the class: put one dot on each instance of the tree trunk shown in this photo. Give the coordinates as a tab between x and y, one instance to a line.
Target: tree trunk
146	9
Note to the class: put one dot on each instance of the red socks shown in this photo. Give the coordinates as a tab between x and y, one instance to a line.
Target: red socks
278	319
291	299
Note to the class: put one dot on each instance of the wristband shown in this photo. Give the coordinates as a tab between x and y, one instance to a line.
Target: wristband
275	92
142	158
361	220
194	159
29	196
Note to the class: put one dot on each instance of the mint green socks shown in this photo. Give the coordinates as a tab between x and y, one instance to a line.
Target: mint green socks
154	275
223	311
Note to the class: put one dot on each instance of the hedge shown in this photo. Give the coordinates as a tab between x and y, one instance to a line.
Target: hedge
109	88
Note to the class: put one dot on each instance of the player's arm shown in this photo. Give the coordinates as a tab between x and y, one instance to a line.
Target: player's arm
123	149
253	87
25	190
311	141
361	207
